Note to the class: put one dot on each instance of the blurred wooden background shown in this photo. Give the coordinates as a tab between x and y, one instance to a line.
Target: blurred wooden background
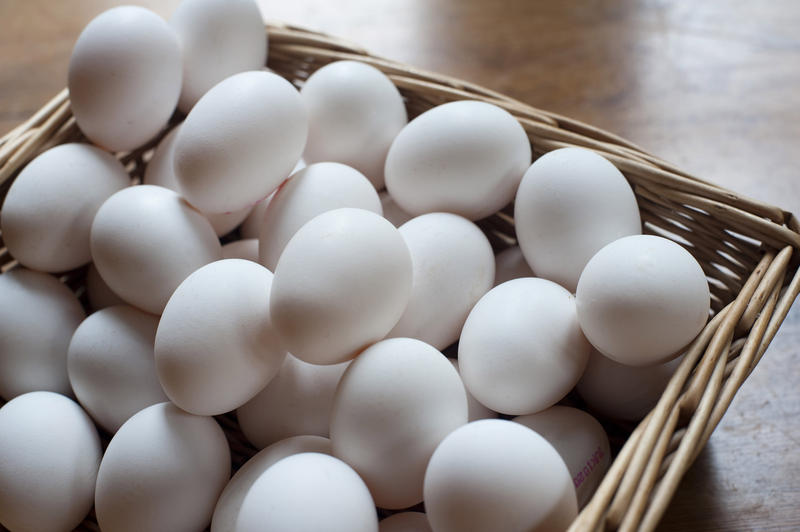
713	87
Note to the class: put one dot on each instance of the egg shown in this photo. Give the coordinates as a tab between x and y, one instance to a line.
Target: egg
240	141
50	453
642	299
394	404
475	410
38	315
521	349
391	211
232	497
241	249
405	522
354	112
308	491
572	202
163	470
515	480
510	264
124	77
296	401
315	189
99	294
146	240
48	211
464	157
218	39
580	440
341	284
111	367
215	347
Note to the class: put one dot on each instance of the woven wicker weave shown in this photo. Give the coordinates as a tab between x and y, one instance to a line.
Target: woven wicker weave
747	249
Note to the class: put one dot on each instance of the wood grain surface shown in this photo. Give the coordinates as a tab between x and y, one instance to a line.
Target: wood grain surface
713	87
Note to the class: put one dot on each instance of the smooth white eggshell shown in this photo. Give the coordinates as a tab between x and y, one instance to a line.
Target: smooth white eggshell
215	346
521	349
111	366
475	410
218	39
146	240
453	266
315	189
163	470
232	497
49	454
251	227
124	77
296	401
48	211
580	440
463	157
405	522
241	249
510	264
99	293
641	299
394	404
240	140
498	475
354	114
572	202
38	315
391	211
341	284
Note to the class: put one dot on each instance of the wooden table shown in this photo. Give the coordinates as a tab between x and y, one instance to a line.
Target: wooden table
711	86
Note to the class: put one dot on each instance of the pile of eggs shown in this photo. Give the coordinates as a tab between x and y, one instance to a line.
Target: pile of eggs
323	326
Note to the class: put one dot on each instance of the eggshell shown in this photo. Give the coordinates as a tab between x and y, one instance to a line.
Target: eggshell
462	157
124	77
521	349
515	481
251	227
169	241
394	405
391	211
641	299
50	453
309	192
510	264
296	401
475	410
99	294
230	502
405	522
111	367
48	212
572	202
240	140
354	112
215	346
580	440
163	470
218	39
341	284
241	249
38	315
308	491
453	266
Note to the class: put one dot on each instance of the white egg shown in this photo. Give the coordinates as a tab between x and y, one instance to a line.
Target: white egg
463	157
405	522
394	404
50	453
215	346
354	113
241	249
124	77
240	141
230	501
641	299
572	202
580	440
315	189
50	206
38	315
521	349
163	470
475	410
391	211
111	366
510	264
341	284
146	240
296	401
308	491
623	392
99	294
515	480
218	38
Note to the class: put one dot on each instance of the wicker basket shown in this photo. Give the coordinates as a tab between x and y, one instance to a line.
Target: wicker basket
746	248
